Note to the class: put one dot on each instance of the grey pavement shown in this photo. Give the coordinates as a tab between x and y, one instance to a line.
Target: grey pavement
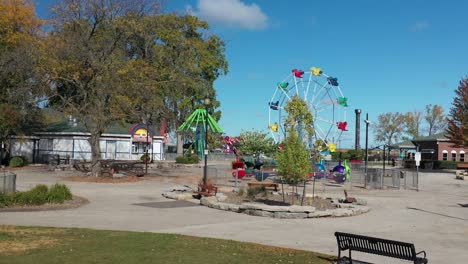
432	218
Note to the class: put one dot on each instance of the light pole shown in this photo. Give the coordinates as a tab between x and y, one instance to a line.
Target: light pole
207	103
367	149
146	149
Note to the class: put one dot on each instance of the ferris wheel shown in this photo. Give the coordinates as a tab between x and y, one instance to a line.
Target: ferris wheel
324	99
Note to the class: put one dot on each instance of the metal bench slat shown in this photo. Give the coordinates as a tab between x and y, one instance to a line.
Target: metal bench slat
384	247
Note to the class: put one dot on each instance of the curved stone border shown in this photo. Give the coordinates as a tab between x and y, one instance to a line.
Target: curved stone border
288	212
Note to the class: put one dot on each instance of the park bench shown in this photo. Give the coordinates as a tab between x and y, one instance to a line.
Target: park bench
378	246
207	190
264	184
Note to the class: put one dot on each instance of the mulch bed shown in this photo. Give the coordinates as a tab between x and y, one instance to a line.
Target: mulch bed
103	179
76	202
270	199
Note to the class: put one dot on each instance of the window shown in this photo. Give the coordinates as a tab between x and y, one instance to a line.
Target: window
462	155
139	147
454	155
50	144
444	155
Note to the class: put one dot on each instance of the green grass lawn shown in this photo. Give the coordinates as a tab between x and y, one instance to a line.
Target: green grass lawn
71	245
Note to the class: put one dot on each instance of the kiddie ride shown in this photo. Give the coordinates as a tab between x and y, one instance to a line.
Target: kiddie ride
249	169
340	173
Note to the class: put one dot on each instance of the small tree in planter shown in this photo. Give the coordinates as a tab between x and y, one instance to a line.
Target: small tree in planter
293	161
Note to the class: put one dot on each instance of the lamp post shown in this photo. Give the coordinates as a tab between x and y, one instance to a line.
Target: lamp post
367	149
146	149
207	103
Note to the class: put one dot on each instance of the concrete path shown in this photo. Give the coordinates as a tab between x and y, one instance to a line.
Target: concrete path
432	218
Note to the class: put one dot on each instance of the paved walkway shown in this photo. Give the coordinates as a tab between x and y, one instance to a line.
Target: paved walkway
431	218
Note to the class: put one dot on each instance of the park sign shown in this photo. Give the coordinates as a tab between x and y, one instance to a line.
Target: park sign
417	158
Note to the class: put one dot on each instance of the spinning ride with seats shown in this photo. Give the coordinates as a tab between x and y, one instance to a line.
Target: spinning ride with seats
326	102
197	122
324	98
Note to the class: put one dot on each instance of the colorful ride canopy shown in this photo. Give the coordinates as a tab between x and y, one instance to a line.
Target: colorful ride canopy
197	122
199	116
325	100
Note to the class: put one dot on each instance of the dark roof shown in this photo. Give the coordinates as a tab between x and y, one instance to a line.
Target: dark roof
435	137
409	144
403	145
70	127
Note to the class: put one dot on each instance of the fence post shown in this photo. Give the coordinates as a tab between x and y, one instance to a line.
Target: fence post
237	176
404	175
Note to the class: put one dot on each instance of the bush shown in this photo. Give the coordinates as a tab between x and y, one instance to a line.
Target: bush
445	164
189	159
18	161
145	157
59	193
5	199
36	196
39	195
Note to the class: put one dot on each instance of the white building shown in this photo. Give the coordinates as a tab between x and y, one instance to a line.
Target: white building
72	144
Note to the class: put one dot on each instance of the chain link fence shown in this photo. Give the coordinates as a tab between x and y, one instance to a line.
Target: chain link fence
7	182
379	178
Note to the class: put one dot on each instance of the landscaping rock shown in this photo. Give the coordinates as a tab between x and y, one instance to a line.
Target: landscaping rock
181	188
320	214
169	195
221	197
208	200
361	202
234	208
301	209
254	206
260	213
290	215
340	212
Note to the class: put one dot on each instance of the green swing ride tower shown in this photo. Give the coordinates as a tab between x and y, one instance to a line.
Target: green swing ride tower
199	121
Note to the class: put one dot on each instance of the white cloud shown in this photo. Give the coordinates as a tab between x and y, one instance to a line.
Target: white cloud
419	26
234	13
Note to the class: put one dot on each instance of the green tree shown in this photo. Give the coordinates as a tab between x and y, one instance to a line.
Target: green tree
389	127
293	160
107	57
88	61
299	116
183	61
256	143
20	57
435	119
457	129
191	58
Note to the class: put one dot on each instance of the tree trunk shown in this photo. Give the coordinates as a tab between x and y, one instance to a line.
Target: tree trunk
95	154
303	194
180	145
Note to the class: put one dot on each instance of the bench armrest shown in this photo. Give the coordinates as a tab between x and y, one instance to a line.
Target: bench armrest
423	252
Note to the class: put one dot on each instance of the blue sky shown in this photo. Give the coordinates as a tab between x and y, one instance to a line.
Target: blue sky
389	56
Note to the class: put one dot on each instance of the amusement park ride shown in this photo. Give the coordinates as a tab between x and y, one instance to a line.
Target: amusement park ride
326	102
328	105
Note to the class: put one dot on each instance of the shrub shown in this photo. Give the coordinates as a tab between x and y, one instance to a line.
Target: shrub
5	199
145	157
35	196
18	161
39	195
189	159
445	164
59	193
